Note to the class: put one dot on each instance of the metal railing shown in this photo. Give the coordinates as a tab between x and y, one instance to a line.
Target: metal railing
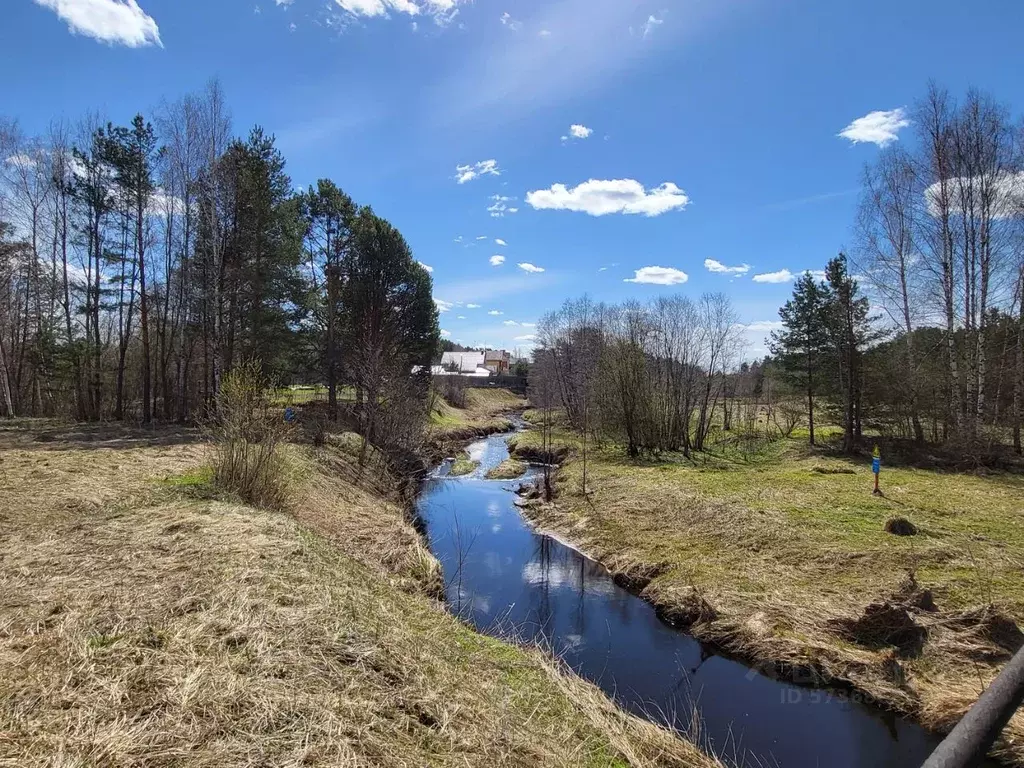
977	730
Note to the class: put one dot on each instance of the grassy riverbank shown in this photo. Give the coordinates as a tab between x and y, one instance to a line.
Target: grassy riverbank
145	618
776	554
485	413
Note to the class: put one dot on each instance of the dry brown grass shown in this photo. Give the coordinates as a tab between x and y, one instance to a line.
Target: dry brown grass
485	413
144	621
800	573
509	469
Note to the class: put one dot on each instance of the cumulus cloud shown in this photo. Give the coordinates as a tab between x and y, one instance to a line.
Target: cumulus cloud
711	265
580	131
880	127
1003	193
600	198
497	261
658	276
445	333
427	267
782	276
499	241
464	173
117	22
528	267
442	305
495	312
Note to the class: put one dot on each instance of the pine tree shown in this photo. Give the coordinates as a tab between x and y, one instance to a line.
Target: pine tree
803	344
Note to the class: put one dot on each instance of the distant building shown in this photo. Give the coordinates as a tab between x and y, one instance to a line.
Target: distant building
497	361
490	362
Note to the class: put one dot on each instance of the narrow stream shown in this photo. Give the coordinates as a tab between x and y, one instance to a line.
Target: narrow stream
509	581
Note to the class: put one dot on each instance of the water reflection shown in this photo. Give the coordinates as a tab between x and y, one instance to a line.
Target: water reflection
511	582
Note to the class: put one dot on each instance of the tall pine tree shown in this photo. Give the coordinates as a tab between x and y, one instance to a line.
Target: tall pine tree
803	344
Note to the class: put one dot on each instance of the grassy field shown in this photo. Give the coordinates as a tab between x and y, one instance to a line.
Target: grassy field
145	619
777	553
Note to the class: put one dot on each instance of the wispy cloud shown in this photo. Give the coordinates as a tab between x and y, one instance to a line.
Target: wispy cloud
442	11
508	21
528	267
427	267
495	312
443	306
880	127
464	173
658	276
117	22
499	241
652	23
500	206
711	265
600	198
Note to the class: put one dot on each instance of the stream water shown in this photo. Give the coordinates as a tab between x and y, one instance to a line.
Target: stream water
510	581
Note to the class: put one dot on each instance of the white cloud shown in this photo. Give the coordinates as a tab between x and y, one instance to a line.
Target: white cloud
500	206
466	173
499	241
527	337
443	11
651	24
599	198
497	261
442	305
528	325
445	333
481	237
782	276
510	322
285	3
427	267
120	22
508	21
817	274
658	276
21	160
878	127
460	317
528	267
472	306
544	33
495	312
763	326
580	131
1005	193
711	265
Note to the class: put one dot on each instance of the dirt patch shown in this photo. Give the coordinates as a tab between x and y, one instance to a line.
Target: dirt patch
883	624
900	526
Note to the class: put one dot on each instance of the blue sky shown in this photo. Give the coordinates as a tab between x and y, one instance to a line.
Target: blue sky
705	129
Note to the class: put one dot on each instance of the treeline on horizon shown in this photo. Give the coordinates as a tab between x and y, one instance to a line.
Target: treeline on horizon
141	263
917	332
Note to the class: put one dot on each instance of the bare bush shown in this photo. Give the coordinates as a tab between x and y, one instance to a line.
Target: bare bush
246	434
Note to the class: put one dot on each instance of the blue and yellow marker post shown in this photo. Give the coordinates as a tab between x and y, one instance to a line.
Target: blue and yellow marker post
876	468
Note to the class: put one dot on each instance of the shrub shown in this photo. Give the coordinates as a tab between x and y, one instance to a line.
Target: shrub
246	435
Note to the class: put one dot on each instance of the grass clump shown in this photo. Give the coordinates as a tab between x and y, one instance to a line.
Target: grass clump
509	469
247	433
463	465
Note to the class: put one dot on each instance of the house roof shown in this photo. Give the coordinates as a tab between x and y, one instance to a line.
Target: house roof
496	354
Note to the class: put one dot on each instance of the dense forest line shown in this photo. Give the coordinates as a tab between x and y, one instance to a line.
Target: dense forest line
142	263
916	333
